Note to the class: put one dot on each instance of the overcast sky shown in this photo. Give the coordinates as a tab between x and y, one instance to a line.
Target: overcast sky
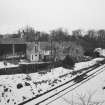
46	15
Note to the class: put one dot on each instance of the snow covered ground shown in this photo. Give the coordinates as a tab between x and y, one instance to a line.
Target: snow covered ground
86	64
93	89
15	89
9	65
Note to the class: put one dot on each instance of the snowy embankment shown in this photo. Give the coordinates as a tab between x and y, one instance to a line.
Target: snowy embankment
15	89
86	64
8	65
91	92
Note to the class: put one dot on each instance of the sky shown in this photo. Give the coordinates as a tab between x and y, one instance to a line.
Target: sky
46	15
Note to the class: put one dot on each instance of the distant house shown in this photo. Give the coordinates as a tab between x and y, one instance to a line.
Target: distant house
12	47
32	51
46	50
38	51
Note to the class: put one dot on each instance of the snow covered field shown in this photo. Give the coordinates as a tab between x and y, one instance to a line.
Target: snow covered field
92	91
15	89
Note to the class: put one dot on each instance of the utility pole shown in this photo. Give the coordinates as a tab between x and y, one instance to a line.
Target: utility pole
13	49
13	52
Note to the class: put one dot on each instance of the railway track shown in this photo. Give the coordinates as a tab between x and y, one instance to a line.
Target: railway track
68	89
57	92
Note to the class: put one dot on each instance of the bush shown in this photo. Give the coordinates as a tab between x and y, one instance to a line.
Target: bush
91	53
96	54
68	62
19	85
88	53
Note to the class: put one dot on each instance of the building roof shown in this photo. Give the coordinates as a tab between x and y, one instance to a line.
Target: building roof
42	45
12	41
45	46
